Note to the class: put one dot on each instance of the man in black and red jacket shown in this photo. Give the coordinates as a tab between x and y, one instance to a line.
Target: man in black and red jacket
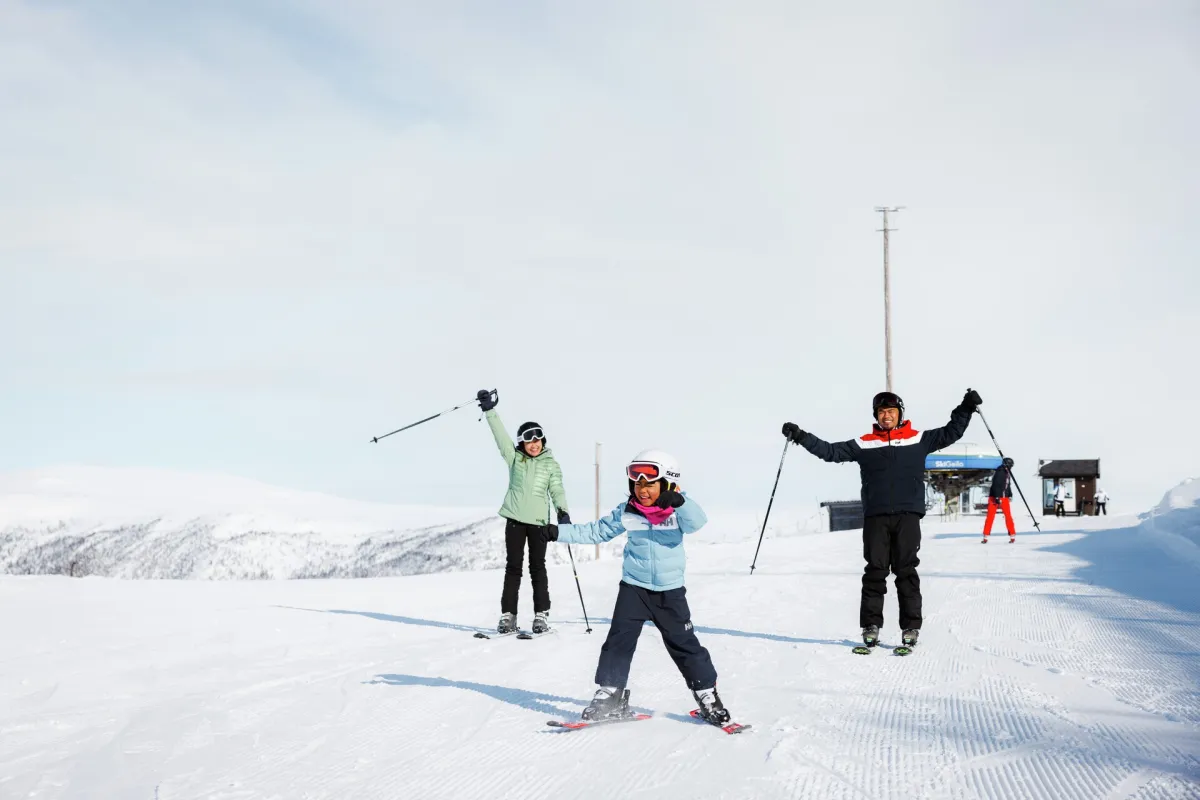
891	459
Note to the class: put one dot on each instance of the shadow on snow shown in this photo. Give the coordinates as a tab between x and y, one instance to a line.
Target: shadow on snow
540	702
700	629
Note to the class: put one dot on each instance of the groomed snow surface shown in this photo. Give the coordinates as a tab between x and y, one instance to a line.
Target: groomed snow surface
1066	665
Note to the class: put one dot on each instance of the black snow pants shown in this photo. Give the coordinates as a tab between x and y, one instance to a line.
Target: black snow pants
670	614
515	536
890	544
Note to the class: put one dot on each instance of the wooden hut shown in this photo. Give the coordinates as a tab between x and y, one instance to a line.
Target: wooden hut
1079	476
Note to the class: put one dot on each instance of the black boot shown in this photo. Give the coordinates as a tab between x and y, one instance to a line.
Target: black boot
870	635
909	637
608	703
711	707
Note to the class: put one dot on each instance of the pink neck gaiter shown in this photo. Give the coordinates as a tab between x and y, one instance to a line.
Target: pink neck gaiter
656	515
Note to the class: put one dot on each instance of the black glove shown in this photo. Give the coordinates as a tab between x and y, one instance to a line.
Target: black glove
972	400
487	400
670	499
550	533
563	517
792	431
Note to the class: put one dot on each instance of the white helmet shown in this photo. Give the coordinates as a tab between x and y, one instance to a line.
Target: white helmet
654	465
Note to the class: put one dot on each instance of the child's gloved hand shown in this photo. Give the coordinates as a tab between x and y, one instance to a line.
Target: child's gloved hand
670	499
550	533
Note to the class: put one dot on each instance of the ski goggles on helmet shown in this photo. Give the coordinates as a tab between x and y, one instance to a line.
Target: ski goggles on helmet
532	434
647	470
887	400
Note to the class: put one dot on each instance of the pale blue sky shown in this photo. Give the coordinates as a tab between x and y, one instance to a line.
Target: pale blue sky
247	236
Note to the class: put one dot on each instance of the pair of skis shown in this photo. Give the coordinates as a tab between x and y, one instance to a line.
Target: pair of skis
728	727
901	650
520	634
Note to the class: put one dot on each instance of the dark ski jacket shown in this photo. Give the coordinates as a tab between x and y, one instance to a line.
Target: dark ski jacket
1001	485
892	462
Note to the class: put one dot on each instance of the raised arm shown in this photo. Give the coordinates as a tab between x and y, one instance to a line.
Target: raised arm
960	418
503	441
835	452
598	532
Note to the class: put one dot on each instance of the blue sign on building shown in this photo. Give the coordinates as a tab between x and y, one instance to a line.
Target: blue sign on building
946	462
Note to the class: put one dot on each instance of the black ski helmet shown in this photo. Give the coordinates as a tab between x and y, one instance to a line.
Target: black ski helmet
886	400
530	426
1008	462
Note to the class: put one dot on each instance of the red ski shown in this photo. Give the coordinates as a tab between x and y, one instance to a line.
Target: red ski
729	727
585	723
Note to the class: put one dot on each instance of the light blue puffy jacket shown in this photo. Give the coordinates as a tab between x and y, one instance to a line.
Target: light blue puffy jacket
654	557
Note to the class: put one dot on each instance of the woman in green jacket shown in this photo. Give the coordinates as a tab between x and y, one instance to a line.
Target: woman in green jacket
533	475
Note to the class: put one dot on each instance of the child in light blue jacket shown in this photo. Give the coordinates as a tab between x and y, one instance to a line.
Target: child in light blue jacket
655	519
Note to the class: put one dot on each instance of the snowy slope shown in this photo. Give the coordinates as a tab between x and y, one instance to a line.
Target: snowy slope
1063	666
130	523
1175	521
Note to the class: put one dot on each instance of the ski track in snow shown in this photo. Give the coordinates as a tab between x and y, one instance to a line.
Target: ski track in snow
1029	682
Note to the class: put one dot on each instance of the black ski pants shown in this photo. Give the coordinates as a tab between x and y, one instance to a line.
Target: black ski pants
670	614
890	544
1060	508
516	534
1101	508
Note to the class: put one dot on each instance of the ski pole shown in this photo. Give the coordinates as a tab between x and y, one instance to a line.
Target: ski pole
580	588
1009	471
375	440
768	516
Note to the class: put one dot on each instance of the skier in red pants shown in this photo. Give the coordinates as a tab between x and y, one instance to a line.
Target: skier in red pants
999	496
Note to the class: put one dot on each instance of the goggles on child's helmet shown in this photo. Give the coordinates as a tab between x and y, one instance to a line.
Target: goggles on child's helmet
653	465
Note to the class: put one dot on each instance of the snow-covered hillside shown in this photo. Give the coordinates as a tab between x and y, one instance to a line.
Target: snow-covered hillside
1177	517
1063	666
129	523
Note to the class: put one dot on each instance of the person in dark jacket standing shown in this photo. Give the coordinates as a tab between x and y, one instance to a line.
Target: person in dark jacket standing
891	459
1000	496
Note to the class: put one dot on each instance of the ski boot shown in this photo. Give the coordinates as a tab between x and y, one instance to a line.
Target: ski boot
712	710
541	622
1012	540
608	703
507	624
984	540
870	636
908	640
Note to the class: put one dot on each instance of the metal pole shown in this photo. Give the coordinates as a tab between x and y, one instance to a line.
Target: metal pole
887	292
597	492
887	303
779	472
579	588
376	439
